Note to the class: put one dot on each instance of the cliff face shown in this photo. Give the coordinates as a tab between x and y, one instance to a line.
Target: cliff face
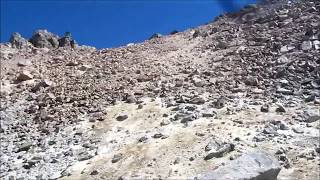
175	106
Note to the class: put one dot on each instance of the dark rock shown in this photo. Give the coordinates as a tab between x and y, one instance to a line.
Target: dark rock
251	81
209	114
143	139
219	103
257	165
24	76
44	83
156	35
157	135
94	172
67	41
122	117
264	108
116	158
140	106
174	32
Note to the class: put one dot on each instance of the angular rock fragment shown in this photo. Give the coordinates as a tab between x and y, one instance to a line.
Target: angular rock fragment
24	76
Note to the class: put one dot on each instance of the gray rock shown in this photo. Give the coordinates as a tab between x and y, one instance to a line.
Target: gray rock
306	45
24	147
311	115
220	152
212	145
24	62
198	100
17	41
270	129
84	155
297	130
257	165
42	38
282	60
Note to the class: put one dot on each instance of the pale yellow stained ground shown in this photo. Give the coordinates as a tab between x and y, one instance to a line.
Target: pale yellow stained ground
155	157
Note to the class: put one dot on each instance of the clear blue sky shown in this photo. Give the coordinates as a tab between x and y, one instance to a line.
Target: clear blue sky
109	23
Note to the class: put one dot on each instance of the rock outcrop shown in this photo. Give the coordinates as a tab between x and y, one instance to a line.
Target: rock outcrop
42	38
17	41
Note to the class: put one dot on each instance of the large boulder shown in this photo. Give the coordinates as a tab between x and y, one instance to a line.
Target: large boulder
17	41
42	38
67	41
258	165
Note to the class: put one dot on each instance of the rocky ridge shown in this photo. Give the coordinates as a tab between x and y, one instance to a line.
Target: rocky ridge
184	105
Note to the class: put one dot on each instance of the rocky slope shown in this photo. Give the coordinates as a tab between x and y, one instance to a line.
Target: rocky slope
194	104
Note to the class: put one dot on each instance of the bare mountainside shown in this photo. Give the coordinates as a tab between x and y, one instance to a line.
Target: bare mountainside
237	98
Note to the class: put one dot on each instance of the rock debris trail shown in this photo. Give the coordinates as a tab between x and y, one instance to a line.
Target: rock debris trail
237	98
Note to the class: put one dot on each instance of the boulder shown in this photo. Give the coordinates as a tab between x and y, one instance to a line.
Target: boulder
258	165
42	38
17	41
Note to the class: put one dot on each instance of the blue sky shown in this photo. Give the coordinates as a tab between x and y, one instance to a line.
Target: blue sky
109	23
